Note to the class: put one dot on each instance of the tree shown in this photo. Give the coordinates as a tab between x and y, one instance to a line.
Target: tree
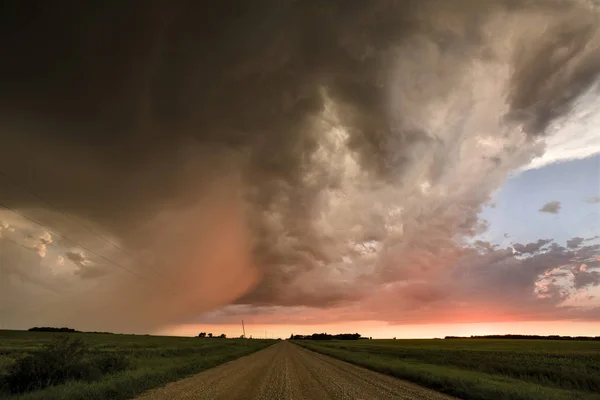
210	335
222	336
326	336
202	334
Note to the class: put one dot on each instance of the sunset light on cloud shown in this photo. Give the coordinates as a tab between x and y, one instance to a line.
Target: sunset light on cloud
374	181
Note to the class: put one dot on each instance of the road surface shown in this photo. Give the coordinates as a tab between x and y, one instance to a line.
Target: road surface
288	372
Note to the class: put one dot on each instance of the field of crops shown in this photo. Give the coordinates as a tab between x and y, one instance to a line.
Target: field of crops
481	368
42	365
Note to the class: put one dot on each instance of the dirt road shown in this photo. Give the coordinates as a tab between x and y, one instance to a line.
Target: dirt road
286	371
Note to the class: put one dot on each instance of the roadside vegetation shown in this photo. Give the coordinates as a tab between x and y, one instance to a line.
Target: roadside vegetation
481	369
95	366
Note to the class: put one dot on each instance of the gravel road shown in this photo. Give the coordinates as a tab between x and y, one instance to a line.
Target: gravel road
287	371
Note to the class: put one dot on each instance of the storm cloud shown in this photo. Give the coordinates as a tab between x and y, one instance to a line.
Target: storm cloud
271	153
488	284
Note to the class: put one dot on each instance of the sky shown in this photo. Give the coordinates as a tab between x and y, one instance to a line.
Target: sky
399	169
573	184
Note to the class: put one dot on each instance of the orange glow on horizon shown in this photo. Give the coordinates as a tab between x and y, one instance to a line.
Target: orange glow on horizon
380	329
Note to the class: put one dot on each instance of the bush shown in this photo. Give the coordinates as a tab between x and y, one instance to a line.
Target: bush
61	360
111	362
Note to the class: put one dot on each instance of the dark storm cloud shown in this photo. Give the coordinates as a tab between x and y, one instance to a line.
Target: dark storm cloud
297	128
552	207
561	57
126	95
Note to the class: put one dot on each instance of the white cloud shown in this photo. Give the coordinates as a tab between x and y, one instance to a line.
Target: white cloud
575	136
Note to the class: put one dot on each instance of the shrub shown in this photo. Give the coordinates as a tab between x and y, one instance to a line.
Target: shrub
111	362
57	362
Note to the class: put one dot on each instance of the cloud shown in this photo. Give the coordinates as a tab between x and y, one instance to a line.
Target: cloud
573	137
593	200
575	242
39	240
531	248
86	268
91	272
552	207
77	258
46	238
297	154
23	266
583	279
487	284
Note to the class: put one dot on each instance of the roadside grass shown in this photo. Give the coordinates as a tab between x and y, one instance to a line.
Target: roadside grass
107	366
480	370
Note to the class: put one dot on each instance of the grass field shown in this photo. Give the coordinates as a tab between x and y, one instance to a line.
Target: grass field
481	368
111	366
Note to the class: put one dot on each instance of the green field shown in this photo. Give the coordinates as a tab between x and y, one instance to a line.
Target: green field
110	366
481	369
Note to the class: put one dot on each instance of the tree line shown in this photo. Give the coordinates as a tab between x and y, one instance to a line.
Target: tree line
210	335
61	330
326	336
51	329
526	337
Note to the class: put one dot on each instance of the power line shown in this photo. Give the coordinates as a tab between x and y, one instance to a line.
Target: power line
74	242
71	296
69	216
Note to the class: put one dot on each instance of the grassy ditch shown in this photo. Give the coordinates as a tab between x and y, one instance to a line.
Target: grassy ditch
83	366
480	369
